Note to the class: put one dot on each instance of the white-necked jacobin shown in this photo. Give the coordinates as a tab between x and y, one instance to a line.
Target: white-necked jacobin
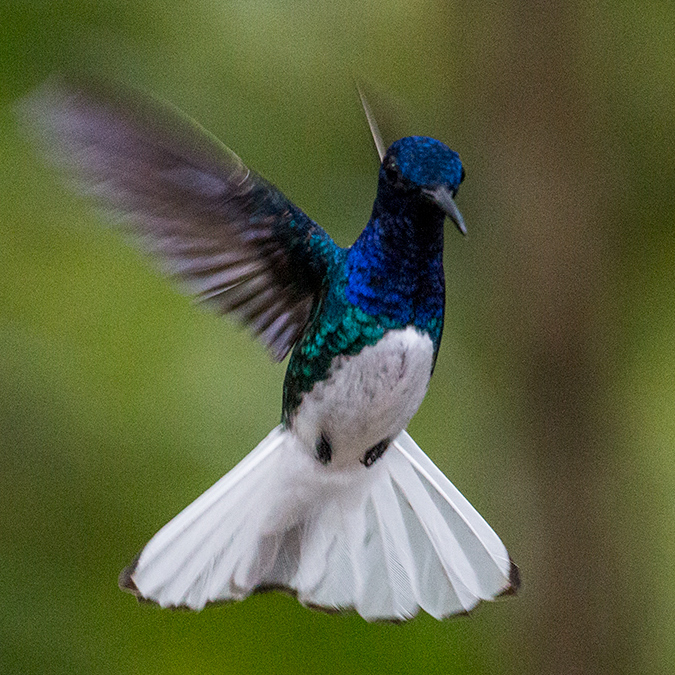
337	505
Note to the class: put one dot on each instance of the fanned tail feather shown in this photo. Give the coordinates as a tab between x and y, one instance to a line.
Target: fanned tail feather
384	541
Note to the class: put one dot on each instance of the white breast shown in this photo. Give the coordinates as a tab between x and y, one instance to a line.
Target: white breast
368	397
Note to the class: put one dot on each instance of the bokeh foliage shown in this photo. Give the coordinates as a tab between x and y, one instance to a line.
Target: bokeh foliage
553	403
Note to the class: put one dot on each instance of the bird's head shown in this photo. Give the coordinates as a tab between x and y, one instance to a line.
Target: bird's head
422	167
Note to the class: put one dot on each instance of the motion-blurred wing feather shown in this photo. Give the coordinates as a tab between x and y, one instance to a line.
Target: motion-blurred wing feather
233	239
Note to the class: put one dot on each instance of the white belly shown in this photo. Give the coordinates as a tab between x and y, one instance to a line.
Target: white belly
367	398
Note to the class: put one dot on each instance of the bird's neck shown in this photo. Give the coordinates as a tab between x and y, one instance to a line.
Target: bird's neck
395	268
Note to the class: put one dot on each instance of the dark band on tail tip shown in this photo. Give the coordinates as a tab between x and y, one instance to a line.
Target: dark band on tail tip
125	580
514	580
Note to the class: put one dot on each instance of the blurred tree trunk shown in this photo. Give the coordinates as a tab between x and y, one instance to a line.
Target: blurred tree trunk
558	322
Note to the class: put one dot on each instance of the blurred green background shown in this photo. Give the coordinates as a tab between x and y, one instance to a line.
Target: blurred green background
553	403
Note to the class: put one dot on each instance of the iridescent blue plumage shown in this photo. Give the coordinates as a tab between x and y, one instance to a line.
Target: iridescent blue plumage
392	277
395	268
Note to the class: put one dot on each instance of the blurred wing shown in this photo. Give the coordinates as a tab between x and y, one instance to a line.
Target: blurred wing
229	235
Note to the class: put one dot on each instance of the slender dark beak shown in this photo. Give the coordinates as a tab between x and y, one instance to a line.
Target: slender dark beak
442	196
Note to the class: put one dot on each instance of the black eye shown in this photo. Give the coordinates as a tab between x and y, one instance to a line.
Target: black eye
391	170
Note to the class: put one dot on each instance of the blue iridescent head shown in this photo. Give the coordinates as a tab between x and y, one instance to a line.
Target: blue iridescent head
422	166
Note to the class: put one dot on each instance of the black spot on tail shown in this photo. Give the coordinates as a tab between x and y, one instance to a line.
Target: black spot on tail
324	452
375	453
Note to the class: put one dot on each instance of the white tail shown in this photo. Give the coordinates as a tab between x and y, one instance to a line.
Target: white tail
385	540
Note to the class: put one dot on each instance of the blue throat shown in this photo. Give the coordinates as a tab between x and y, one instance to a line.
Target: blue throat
392	277
395	268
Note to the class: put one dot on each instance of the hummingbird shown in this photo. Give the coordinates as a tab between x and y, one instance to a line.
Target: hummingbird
338	505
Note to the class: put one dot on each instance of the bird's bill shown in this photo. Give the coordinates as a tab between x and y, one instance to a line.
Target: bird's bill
441	195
